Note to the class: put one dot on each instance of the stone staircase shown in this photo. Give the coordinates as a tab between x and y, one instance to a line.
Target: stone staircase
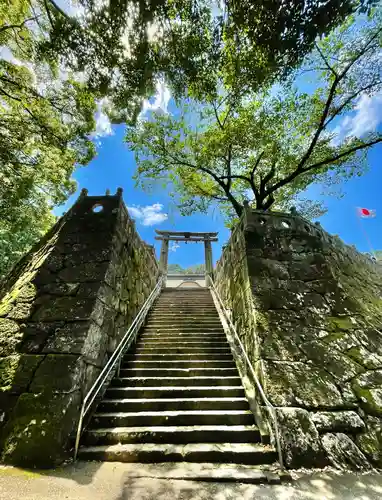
178	397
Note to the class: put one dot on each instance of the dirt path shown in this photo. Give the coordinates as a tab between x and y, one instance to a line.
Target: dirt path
115	481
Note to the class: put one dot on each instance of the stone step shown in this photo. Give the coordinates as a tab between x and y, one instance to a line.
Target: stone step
172	404
180	363
183	337
183	349
243	453
186	298
198	381
199	311
174	356
190	417
168	392
181	343
177	435
214	472
183	329
177	308
177	372
179	325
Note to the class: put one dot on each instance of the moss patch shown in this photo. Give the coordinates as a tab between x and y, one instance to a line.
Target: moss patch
40	422
339	323
16	372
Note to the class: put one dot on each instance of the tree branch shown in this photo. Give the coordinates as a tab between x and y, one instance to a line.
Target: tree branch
60	10
338	78
342	155
48	13
326	161
227	114
217	116
229	169
14	26
349	99
252	178
325	60
210	195
238	208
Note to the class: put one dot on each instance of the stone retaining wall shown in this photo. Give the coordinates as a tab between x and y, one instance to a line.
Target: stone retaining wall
308	309
63	310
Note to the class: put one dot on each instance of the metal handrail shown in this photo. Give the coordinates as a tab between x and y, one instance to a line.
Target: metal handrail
268	404
115	357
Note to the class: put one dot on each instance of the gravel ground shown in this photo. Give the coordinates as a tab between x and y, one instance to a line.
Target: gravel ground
117	481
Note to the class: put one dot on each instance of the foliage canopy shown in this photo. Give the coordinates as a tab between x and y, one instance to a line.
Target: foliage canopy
270	145
57	64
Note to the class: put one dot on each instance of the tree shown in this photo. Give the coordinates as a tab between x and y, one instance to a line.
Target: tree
177	269
45	122
121	48
61	64
270	146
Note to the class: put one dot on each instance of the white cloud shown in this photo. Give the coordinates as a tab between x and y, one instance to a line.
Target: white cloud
174	247
367	116
103	124
161	99
148	215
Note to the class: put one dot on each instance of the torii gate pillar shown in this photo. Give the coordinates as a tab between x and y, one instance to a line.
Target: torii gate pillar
208	258
163	256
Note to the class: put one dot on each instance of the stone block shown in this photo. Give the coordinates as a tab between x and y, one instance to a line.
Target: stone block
278	299
60	288
39	430
344	453
90	255
27	293
35	336
280	348
371	339
339	365
59	373
21	311
54	262
7	403
300	441
369	360
16	372
10	336
300	384
338	421
85	337
88	271
370	442
69	309
368	389
267	267
305	271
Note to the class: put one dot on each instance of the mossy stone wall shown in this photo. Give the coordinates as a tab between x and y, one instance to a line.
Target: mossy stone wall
63	310
308	309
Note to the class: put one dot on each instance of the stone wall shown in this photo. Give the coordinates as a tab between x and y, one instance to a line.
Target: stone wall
308	309
63	310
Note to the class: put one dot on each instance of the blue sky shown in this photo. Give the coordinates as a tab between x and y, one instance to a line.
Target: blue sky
114	166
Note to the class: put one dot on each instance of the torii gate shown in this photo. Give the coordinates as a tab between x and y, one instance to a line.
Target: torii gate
166	236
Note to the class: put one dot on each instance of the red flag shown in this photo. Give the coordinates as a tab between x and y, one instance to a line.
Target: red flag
366	213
